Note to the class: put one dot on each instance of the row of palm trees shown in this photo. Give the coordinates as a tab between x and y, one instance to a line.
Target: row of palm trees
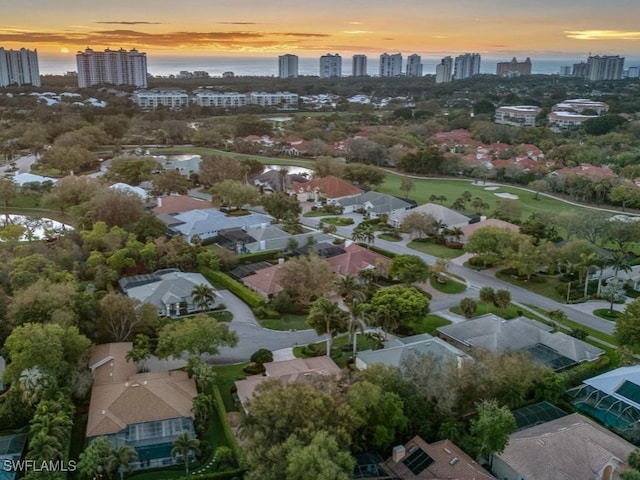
618	260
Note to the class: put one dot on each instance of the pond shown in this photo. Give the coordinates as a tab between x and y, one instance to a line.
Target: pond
307	172
35	228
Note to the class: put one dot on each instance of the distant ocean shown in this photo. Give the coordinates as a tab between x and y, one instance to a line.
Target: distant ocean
266	67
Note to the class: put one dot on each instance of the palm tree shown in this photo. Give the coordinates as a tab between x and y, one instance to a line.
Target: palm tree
327	318
586	262
121	459
203	295
456	232
620	261
439	227
350	289
601	262
44	447
283	172
359	319
364	234
202	405
387	318
183	445
32	382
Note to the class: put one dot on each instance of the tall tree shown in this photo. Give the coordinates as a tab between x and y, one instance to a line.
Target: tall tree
121	459
627	329
8	191
183	447
468	307
281	206
322	459
203	296
492	428
306	278
122	316
131	170
359	320
195	335
326	318
409	269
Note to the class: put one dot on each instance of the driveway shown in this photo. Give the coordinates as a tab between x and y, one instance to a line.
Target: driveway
252	336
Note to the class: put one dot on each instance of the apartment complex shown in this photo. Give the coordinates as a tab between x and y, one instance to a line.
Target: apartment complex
444	70
466	66
115	67
175	99
605	67
517	116
19	67
288	66
391	65
359	66
414	66
574	112
514	68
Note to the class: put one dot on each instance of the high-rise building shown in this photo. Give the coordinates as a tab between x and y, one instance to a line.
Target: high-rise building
565	71
633	72
19	67
466	66
115	67
414	66
580	70
514	68
330	66
605	67
288	66
391	65
444	70
359	66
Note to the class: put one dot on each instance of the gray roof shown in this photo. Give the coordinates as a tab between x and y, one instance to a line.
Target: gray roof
568	448
207	222
497	335
449	217
172	287
609	382
275	238
376	202
399	350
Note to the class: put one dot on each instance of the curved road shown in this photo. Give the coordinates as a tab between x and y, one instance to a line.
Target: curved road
477	280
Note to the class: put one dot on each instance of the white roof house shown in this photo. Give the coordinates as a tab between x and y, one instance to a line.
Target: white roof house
449	217
23	178
125	187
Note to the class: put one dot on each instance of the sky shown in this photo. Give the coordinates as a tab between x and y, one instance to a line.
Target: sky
308	28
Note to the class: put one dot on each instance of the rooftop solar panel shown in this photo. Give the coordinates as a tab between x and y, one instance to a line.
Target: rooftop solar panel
417	461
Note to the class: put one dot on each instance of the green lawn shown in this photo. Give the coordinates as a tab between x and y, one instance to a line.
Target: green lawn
341	348
512	311
316	213
431	248
286	322
389	237
204	151
452	286
452	189
338	221
542	285
607	314
430	323
226	376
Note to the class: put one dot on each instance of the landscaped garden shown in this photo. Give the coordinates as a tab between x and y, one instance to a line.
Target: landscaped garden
429	247
286	322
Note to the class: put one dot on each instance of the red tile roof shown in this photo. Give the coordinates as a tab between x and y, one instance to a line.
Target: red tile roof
330	187
357	259
265	281
179	204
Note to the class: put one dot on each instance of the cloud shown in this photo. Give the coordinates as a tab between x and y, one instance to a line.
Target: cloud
354	23
238	23
439	36
129	23
235	40
602	35
356	32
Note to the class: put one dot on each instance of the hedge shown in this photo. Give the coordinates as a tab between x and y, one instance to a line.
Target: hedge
225	282
228	475
381	251
222	413
260	256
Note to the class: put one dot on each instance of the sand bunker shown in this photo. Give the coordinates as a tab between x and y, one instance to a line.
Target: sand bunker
508	196
491	188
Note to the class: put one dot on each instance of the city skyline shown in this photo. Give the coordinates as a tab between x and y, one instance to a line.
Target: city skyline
438	27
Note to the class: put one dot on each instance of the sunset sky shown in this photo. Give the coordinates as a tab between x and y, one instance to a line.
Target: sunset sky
310	28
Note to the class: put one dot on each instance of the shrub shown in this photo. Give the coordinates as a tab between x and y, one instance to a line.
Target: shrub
262	356
225	282
579	333
262	312
253	369
282	303
314	350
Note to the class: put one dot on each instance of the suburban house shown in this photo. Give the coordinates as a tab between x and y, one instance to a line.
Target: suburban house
299	370
632	278
146	411
22	179
568	448
131	190
206	223
265	281
419	460
447	216
557	351
357	258
612	398
269	237
179	204
374	204
327	188
398	350
470	229
169	290
274	181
